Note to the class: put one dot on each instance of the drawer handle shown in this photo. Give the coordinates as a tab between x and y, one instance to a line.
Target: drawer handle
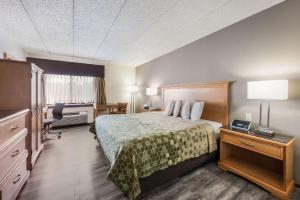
16	152
14	127
245	143
16	179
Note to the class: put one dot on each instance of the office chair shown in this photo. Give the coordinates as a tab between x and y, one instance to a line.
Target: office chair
57	115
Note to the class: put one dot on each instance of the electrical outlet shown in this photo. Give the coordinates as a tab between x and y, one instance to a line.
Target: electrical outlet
249	117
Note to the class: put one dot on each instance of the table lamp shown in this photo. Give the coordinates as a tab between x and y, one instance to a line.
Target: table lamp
151	92
267	91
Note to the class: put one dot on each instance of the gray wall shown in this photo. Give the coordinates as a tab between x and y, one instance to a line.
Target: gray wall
264	46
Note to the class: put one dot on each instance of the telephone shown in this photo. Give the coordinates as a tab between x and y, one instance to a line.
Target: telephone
241	125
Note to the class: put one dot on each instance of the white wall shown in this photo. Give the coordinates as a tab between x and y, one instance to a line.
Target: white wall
9	46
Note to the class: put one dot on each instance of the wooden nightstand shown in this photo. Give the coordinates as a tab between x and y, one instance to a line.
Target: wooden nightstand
266	161
149	110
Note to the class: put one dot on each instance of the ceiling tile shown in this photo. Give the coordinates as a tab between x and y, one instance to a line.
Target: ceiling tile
15	24
134	20
164	37
127	32
93	20
54	20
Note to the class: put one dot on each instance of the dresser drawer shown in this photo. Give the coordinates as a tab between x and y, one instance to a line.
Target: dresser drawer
10	128
257	146
10	155
15	181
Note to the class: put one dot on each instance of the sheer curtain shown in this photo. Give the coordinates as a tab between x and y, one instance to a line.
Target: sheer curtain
69	89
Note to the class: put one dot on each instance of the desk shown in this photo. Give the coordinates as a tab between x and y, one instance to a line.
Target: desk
104	107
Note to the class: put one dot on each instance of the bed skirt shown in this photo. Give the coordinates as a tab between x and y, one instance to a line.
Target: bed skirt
164	176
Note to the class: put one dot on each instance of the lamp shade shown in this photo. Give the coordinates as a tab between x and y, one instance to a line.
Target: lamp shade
133	88
151	91
269	90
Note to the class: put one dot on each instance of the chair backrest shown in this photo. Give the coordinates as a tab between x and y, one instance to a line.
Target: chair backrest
57	110
122	106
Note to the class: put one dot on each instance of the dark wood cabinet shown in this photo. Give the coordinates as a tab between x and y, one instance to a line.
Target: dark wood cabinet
21	88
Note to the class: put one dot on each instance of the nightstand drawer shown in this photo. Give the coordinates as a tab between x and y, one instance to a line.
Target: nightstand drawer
257	146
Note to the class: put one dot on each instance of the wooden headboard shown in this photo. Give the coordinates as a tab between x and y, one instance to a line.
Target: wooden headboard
215	96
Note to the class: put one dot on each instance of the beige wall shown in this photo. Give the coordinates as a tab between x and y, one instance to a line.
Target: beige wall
117	79
264	46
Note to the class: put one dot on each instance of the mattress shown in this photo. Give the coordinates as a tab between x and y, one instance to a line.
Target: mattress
138	145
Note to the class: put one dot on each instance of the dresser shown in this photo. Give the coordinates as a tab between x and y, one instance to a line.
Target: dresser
21	88
13	153
264	160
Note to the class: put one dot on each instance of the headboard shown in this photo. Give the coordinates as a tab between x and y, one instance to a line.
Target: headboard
215	96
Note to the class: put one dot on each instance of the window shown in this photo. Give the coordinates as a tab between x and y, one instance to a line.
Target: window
69	89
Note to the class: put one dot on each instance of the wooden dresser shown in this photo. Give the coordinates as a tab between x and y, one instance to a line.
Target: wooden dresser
13	153
21	88
267	161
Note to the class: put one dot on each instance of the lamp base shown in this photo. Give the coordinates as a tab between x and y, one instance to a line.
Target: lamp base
264	131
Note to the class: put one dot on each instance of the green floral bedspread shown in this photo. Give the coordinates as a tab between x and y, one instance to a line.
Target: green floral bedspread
141	144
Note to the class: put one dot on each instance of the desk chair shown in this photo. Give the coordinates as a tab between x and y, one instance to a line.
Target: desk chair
57	115
122	107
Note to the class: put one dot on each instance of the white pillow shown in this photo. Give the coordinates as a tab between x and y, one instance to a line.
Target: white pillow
170	107
185	110
176	110
197	110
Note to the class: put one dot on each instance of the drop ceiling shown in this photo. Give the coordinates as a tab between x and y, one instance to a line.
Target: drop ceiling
124	32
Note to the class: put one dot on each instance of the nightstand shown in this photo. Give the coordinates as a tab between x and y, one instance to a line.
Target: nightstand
266	161
149	110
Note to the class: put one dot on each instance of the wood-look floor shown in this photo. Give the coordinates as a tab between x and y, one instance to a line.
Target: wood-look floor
74	168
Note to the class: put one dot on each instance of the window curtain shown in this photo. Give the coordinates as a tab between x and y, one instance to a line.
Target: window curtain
69	89
100	97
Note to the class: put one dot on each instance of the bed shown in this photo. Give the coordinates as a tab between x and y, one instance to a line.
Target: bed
148	149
